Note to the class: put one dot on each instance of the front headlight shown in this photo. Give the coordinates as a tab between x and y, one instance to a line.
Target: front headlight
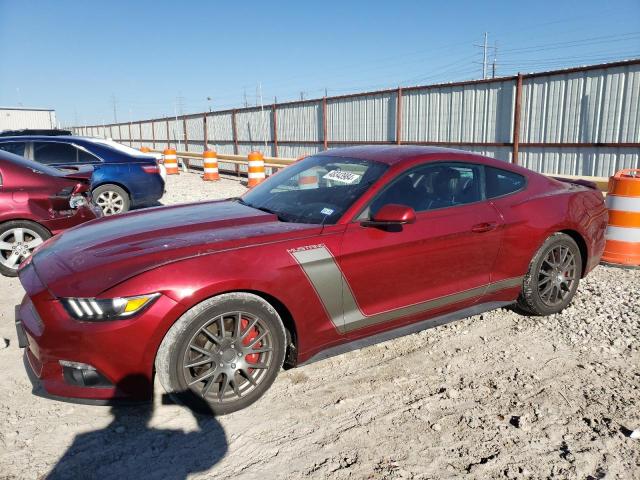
99	309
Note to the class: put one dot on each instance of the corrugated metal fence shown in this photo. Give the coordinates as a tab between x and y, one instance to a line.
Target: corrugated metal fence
583	121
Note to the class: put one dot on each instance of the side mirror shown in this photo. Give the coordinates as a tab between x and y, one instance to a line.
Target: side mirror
391	215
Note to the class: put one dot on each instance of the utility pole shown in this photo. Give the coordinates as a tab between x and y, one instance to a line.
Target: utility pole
485	54
246	104
114	102
264	123
495	59
178	106
484	57
301	95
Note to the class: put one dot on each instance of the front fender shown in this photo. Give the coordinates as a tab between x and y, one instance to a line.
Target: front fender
268	269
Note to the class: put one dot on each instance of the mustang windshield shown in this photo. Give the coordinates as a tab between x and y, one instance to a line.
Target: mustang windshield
318	189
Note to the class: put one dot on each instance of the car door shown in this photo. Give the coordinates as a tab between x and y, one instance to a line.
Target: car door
441	262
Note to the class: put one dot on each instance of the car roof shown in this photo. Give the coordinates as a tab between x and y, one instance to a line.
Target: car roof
393	154
50	138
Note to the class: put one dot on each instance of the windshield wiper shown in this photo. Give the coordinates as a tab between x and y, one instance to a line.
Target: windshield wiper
264	209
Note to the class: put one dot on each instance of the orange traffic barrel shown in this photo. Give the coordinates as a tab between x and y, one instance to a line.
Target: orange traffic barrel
623	231
307	180
210	166
145	149
170	161
256	169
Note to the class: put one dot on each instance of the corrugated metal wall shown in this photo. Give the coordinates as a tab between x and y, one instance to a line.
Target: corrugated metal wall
571	122
466	113
369	118
21	118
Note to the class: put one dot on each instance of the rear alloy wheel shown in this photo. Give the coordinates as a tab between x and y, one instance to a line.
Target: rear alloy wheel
112	199
553	276
18	239
224	353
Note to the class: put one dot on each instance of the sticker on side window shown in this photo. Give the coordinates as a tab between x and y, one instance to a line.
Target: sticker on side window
326	211
342	176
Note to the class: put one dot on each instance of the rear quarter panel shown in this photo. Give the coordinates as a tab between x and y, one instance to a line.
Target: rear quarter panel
547	206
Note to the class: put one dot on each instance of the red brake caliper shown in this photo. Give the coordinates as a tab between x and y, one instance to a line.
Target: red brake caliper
251	336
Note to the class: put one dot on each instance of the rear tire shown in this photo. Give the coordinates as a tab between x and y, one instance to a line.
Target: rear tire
18	238
210	359
112	199
553	276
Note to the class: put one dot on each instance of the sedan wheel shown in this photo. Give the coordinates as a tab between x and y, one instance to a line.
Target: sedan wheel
224	353
18	239
112	199
110	202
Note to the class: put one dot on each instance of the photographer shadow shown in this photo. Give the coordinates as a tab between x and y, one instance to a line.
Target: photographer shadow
130	448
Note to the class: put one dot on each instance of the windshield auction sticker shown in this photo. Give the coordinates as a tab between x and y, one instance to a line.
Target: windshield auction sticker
342	176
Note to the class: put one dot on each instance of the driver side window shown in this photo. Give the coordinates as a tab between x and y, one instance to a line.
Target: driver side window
432	187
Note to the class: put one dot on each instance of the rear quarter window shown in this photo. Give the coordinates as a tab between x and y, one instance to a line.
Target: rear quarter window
17	148
502	182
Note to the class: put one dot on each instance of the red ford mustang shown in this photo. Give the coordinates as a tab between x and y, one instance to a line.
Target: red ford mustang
339	250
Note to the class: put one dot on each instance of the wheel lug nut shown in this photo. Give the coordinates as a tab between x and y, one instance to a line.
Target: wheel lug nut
233	365
239	354
222	364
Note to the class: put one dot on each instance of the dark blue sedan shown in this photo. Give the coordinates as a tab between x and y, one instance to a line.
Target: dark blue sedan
123	178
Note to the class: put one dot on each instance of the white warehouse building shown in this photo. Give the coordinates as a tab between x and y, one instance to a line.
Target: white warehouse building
18	118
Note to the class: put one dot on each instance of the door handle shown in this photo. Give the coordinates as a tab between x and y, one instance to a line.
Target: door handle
483	227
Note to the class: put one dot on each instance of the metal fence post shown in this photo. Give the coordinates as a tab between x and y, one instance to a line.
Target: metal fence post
325	140
275	130
399	116
234	130
153	134
130	136
516	120
184	134
205	132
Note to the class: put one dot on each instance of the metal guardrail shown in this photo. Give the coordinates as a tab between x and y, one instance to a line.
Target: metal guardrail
279	162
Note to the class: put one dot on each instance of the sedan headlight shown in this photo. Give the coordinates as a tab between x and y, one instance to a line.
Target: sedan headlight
99	309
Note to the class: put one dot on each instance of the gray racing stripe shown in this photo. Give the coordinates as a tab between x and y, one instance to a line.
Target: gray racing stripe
338	300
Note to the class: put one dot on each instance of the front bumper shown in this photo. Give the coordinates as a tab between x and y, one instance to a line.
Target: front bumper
121	352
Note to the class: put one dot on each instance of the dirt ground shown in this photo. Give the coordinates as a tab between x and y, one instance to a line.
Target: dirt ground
496	396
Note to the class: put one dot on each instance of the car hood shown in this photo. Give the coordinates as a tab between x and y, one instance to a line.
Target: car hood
91	258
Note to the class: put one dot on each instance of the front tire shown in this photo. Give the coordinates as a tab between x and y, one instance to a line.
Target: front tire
226	351
18	239
553	276
112	199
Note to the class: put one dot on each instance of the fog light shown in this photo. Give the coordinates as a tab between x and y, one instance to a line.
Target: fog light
77	365
83	375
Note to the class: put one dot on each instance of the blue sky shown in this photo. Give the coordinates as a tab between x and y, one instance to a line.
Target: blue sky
156	56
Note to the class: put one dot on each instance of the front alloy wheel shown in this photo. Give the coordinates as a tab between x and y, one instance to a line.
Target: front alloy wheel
228	357
224	353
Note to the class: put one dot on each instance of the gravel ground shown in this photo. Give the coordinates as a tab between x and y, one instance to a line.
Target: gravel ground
494	396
